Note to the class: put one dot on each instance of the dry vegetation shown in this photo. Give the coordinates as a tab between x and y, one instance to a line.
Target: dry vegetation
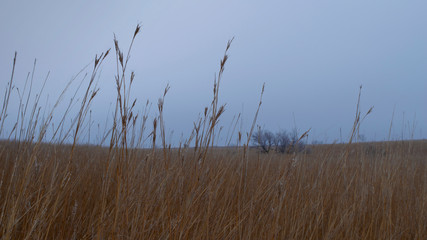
53	190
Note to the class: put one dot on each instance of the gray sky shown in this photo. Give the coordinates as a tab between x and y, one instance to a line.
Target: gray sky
312	55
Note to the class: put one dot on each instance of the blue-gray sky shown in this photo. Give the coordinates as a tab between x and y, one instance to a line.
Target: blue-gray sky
312	56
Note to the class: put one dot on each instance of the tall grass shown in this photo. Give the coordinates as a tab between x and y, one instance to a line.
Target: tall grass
53	190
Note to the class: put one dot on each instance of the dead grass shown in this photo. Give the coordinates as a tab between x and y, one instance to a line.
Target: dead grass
349	191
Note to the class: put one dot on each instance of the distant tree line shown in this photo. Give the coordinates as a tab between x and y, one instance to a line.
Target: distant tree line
281	142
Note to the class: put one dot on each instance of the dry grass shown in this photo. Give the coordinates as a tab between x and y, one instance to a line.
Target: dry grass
349	191
375	195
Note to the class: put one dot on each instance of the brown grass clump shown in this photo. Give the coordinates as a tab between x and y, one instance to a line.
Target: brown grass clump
58	191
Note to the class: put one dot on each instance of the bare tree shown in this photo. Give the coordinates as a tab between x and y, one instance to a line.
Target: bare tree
263	139
281	142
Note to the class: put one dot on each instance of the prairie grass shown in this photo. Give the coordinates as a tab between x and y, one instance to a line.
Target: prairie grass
50	189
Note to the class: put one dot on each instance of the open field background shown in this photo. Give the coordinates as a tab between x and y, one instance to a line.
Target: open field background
358	191
56	189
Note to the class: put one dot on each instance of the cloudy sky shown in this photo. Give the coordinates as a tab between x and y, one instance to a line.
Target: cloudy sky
312	56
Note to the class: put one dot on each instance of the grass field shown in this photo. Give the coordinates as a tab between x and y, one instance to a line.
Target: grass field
50	189
376	191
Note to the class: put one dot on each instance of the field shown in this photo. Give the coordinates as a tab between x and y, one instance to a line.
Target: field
362	191
52	189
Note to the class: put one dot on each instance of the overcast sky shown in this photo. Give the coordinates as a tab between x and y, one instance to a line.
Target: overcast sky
312	56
